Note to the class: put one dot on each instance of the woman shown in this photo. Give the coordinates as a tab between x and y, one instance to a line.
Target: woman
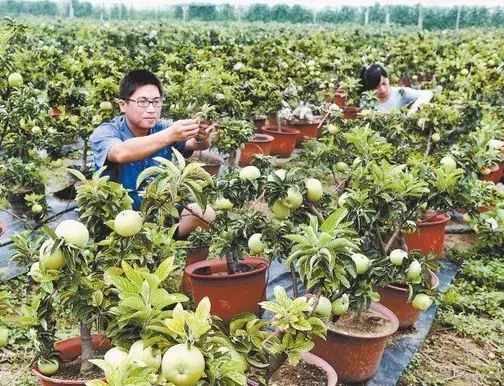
374	77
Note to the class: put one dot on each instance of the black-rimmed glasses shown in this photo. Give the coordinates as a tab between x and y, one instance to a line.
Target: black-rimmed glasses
144	102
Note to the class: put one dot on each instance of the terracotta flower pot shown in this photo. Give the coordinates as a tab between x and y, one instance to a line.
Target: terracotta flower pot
17	201
284	140
495	174
340	98
194	255
211	162
55	112
306	130
430	235
261	144
229	294
312	359
69	350
259	121
395	298
355	357
350	112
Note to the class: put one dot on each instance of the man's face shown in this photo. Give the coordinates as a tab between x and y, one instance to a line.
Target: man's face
142	119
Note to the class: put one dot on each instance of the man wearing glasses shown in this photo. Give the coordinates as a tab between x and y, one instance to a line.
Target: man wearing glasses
128	143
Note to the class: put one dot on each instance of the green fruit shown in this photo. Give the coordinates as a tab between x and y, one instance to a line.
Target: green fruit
279	173
414	270
421	302
146	356
32	152
37	208
448	163
250	173
332	129
57	163
36	130
116	356
423	206
106	106
361	263
324	307
294	199
73	232
183	366
314	189
280	210
464	72
15	79
340	306
466	218
436	137
55	260
223	204
255	244
47	367
128	223
397	256
341	166
4	336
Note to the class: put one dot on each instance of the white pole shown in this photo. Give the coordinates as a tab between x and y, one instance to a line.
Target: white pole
387	16
366	17
70	10
458	18
420	16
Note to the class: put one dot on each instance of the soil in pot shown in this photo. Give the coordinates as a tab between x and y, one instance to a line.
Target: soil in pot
211	162
368	324
70	370
301	375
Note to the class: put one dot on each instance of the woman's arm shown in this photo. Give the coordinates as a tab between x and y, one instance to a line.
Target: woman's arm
418	96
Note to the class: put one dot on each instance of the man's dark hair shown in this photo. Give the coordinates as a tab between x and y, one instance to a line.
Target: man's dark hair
371	76
135	79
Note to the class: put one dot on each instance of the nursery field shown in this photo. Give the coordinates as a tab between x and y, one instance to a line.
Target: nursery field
316	242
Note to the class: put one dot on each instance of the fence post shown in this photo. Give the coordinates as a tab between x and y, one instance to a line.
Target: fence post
366	16
458	18
420	16
387	16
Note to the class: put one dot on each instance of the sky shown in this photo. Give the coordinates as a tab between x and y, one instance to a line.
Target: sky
313	4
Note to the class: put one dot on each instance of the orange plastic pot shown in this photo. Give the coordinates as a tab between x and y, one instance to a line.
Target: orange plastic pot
272	120
495	174
69	350
261	144
430	235
350	112
354	357
312	359
340	98
306	130
284	140
395	298
194	255
229	294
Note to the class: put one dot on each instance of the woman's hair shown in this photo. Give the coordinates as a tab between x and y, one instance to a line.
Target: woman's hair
136	79
371	76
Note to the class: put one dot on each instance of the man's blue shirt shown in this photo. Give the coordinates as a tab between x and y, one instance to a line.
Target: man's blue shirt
114	132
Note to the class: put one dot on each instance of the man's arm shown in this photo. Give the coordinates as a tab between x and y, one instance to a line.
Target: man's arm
139	148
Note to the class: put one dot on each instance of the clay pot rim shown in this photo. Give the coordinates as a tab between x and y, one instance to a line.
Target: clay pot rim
445	218
434	284
80	382
262	138
315	121
350	108
283	130
212	156
206	263
260	117
383	311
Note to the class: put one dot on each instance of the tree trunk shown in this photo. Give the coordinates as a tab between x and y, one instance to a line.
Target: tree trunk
87	349
84	157
275	364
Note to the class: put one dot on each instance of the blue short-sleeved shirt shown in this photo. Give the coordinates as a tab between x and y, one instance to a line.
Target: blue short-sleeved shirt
114	132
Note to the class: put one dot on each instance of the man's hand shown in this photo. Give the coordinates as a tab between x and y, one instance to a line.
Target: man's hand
205	130
183	130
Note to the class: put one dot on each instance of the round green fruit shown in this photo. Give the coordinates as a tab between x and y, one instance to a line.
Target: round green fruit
73	232
421	302
340	306
361	263
183	366
36	130
414	270
343	199
341	166
116	356
397	256
294	199
464	72
37	208
4	336
324	307
223	204
448	163
332	129
15	79
279	173
467	218
145	356
47	366
55	260
280	210
250	173
255	244
436	137
128	223
314	189
106	106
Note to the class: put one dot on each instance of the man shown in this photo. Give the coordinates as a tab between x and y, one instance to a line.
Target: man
128	143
